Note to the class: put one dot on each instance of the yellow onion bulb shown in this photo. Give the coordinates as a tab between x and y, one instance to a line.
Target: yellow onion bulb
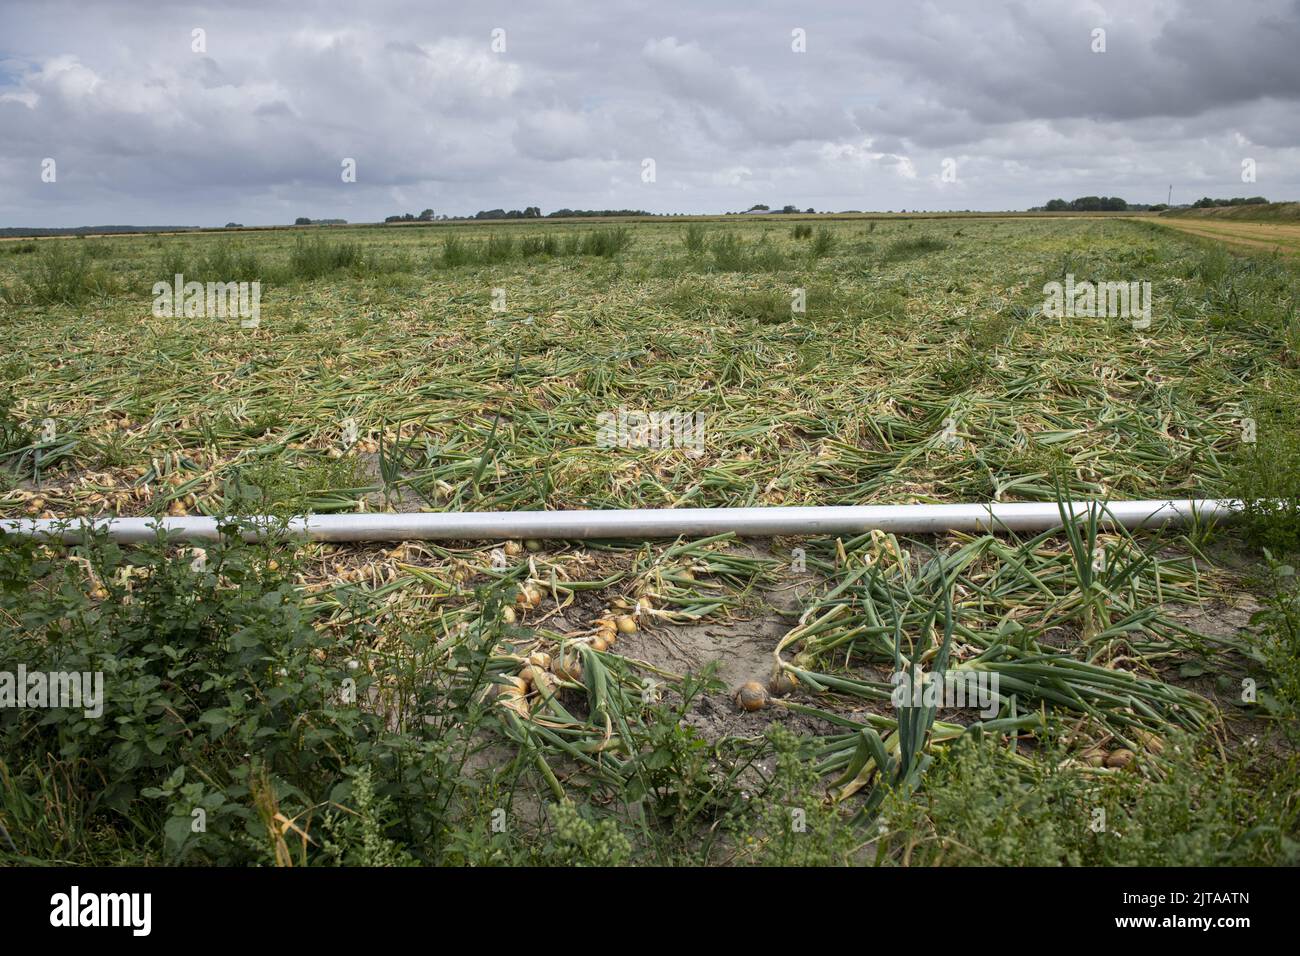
752	696
567	667
782	684
1119	759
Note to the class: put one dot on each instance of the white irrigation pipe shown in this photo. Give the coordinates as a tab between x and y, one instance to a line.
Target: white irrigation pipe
645	523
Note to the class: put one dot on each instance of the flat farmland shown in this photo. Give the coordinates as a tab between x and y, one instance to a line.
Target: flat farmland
676	698
906	327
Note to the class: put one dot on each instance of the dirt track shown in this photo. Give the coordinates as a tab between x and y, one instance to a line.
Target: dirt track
1282	237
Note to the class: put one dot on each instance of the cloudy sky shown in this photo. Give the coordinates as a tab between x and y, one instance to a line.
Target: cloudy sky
465	106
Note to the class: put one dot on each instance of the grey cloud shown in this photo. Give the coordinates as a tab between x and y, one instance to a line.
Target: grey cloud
145	129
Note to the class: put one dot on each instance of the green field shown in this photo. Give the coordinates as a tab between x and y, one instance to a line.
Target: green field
329	704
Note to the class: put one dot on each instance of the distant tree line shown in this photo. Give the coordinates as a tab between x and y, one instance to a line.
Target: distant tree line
568	213
304	221
528	212
1206	202
425	216
1088	204
763	207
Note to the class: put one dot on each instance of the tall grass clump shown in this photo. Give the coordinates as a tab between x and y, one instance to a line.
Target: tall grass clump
803	230
731	253
221	262
13	433
1212	266
912	248
823	243
498	249
314	258
532	247
456	252
1265	475
60	274
227	263
394	263
606	242
695	239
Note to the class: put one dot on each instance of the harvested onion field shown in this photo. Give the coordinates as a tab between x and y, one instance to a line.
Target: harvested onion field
715	701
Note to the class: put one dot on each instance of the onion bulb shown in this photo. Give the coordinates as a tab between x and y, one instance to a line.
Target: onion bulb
625	623
542	684
511	686
1119	759
752	696
782	684
569	669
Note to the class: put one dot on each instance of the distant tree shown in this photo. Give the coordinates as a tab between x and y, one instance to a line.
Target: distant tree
759	206
234	225
810	210
1056	205
426	216
302	221
1205	202
568	213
